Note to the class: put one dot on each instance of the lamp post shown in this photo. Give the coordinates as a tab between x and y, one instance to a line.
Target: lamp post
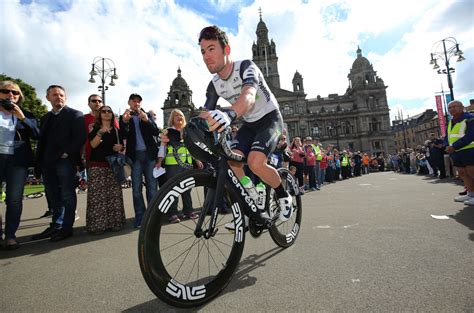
104	67
450	48
335	126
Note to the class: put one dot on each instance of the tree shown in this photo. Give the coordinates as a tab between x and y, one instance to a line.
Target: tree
32	103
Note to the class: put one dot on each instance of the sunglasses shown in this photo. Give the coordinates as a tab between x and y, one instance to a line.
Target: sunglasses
96	101
7	91
105	111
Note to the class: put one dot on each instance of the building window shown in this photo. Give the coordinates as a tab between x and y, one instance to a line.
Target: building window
376	145
287	110
375	125
300	109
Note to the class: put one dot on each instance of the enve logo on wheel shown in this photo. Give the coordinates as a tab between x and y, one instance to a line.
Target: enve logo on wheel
175	193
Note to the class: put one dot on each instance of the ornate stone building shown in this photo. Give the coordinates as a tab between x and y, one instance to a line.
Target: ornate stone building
415	130
179	97
356	120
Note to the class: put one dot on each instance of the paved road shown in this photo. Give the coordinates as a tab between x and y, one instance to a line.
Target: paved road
366	244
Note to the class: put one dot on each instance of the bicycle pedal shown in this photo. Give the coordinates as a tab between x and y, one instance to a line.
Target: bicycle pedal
256	229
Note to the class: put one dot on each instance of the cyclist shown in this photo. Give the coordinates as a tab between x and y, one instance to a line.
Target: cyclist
242	84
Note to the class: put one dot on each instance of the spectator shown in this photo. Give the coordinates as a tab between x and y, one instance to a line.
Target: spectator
105	208
281	151
460	146
63	134
310	163
357	163
317	148
365	164
436	159
297	160
381	162
17	127
345	165
331	169
323	165
337	165
95	103
140	131
173	166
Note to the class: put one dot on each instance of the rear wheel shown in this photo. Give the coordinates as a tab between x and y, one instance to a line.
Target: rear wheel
183	269
284	234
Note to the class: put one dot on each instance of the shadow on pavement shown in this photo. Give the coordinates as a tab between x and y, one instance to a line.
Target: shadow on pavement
450	180
466	218
240	280
38	247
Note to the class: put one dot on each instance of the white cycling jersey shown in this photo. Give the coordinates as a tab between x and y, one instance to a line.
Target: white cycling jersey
243	73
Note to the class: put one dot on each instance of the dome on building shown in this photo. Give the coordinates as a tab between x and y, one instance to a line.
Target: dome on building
179	82
361	63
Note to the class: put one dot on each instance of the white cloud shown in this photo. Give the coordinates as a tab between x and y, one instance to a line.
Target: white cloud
149	40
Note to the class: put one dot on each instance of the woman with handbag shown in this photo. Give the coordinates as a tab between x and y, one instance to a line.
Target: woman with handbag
105	209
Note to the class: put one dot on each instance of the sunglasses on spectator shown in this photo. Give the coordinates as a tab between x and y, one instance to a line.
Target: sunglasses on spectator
96	100
105	111
7	91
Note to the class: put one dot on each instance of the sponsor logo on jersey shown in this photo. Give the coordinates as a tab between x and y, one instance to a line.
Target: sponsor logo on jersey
264	91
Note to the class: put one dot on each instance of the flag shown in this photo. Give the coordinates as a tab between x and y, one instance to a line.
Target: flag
441	119
448	98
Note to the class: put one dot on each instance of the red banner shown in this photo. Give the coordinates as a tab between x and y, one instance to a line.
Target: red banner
441	119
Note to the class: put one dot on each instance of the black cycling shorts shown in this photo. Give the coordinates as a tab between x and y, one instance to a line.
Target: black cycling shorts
261	135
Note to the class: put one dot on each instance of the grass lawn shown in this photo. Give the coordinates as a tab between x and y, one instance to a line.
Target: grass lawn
29	189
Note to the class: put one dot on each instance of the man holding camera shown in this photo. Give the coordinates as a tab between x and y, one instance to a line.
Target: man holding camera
138	128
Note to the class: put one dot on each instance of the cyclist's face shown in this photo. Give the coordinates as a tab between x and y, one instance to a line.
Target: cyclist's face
213	55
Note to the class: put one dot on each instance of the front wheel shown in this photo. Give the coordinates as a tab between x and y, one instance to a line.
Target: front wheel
181	268
284	234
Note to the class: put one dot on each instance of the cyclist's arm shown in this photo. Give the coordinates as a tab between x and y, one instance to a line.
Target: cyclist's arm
211	97
245	101
248	74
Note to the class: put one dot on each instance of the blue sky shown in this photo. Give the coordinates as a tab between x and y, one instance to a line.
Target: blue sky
51	41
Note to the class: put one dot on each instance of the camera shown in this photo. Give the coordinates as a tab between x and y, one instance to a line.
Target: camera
7	104
134	113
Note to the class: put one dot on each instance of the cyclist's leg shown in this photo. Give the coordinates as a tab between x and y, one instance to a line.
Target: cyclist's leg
269	130
257	162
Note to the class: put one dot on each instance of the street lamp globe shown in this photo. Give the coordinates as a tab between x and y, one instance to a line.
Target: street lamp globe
104	68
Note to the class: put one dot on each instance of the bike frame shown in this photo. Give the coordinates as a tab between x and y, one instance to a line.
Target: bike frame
213	200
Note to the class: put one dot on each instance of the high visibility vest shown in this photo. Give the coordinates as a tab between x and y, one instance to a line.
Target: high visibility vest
456	132
345	161
317	151
183	153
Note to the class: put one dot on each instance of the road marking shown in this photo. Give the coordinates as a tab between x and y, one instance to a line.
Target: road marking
356	280
349	226
365	184
323	226
440	217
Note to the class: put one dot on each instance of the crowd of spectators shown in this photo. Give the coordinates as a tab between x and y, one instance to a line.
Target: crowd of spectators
96	146
315	166
99	144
